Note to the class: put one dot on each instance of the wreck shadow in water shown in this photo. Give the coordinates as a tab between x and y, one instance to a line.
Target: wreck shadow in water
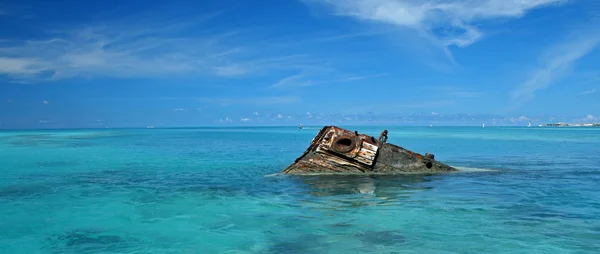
333	185
344	191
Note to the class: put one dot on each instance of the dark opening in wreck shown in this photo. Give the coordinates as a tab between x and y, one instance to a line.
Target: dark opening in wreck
337	150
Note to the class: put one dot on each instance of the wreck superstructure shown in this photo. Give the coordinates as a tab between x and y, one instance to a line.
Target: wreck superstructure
337	150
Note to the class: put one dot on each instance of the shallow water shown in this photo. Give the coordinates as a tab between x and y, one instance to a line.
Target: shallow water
217	190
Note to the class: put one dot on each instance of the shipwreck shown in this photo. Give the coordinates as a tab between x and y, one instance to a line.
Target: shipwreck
336	150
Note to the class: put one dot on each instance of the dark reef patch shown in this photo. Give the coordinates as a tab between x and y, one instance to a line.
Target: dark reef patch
308	243
77	145
340	225
20	191
89	241
385	238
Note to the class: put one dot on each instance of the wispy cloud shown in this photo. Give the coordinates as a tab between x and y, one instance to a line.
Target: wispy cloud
335	38
145	46
320	77
321	38
557	63
593	90
296	79
354	78
442	23
590	118
226	120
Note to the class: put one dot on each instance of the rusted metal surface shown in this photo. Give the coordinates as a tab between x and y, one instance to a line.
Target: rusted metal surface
337	150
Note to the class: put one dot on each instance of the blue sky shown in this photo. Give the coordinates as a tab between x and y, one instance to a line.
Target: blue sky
286	62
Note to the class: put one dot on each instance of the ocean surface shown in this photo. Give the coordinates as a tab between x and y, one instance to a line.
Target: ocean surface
216	190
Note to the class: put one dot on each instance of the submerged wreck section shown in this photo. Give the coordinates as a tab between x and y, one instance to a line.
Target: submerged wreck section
337	150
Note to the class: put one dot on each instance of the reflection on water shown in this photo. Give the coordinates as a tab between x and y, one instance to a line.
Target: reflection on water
378	185
335	192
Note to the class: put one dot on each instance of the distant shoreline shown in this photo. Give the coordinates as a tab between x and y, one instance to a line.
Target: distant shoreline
570	125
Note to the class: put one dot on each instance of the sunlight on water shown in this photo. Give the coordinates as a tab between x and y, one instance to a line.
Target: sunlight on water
211	190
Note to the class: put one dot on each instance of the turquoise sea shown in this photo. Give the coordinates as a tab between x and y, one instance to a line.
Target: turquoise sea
216	190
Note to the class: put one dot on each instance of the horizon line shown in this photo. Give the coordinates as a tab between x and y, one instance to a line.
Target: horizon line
280	126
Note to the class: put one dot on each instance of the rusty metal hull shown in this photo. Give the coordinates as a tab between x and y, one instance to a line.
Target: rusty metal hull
339	151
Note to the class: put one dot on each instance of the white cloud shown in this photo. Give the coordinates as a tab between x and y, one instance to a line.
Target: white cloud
303	80
455	22
287	80
279	116
245	119
591	118
226	120
311	76
45	102
149	45
20	66
256	114
593	90
556	63
178	109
